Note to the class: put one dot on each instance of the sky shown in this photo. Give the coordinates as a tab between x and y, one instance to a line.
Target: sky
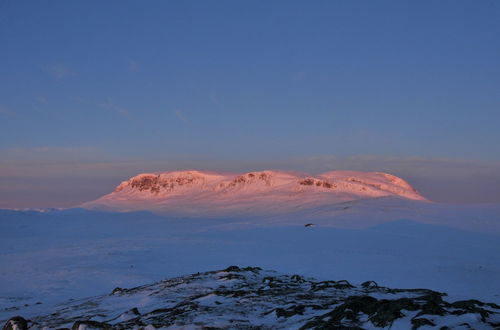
93	92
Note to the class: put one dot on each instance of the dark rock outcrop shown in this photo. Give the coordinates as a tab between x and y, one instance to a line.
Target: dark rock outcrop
249	297
16	323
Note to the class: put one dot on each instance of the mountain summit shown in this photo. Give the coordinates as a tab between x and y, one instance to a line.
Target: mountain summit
199	193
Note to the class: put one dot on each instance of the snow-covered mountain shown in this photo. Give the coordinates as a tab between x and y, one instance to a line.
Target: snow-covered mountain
265	192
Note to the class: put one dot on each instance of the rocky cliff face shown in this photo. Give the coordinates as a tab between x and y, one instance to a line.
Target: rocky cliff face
163	182
252	298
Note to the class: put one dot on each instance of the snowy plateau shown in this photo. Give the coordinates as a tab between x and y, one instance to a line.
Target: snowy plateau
258	250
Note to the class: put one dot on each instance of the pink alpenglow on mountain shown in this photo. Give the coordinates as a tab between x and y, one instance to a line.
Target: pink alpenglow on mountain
197	193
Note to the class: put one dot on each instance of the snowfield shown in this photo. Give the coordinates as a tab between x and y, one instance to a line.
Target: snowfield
48	258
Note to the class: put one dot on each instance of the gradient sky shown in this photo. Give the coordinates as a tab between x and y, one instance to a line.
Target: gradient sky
92	92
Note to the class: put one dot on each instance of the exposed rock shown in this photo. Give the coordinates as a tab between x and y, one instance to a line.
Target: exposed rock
89	325
307	182
16	323
252	298
118	290
418	322
369	284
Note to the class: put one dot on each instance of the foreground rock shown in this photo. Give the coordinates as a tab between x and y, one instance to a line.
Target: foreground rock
251	298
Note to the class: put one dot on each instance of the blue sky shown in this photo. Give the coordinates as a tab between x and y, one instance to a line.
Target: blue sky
209	83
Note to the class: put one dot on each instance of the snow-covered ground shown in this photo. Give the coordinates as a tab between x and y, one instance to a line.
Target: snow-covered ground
252	298
49	257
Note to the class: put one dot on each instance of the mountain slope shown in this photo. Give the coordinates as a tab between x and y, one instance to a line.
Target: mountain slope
252	298
265	192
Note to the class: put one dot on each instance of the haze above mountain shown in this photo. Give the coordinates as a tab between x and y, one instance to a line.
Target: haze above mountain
197	193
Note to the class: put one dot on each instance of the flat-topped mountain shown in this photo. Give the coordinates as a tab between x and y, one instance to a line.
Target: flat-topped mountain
200	193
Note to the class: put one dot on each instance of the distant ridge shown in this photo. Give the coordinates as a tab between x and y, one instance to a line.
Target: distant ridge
201	193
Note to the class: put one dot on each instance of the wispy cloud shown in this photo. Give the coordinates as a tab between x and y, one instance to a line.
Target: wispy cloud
215	101
134	66
51	153
40	99
180	115
58	70
80	100
108	104
6	111
300	75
